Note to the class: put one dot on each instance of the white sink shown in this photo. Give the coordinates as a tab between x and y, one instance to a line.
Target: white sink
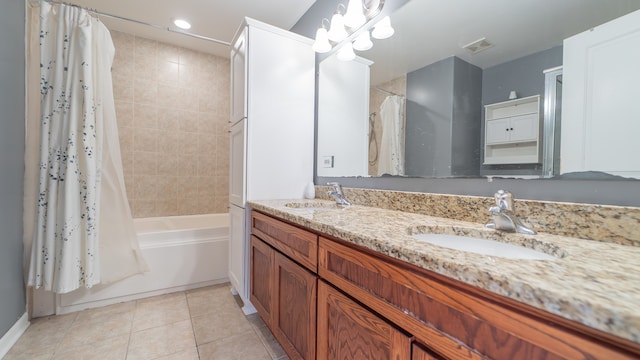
483	246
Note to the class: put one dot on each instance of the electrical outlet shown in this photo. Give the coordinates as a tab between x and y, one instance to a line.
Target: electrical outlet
327	161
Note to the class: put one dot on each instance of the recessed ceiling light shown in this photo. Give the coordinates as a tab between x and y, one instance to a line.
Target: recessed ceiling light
182	24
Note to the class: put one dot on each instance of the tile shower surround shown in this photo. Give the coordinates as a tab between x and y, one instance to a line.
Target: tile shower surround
172	106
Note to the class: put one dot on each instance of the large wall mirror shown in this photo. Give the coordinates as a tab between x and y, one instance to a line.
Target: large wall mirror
476	89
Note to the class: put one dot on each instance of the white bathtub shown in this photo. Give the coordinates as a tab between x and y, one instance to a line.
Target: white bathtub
183	252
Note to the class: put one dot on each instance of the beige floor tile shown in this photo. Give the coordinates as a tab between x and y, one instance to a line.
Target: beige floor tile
188	354
98	328
163	310
110	310
237	347
161	341
218	325
114	348
42	337
210	299
40	353
268	340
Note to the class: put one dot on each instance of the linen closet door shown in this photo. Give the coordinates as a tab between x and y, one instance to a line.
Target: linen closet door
600	109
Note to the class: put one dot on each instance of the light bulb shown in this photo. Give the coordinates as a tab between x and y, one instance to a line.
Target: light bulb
363	42
346	52
354	17
383	29
337	32
182	24
321	45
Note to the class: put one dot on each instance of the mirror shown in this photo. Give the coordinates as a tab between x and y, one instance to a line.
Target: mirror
448	66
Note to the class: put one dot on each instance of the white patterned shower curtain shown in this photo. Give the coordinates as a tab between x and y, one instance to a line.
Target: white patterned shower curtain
391	160
83	231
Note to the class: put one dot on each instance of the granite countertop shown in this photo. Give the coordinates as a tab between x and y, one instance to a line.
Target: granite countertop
593	283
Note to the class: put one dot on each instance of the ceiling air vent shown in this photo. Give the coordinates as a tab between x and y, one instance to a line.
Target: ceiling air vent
478	45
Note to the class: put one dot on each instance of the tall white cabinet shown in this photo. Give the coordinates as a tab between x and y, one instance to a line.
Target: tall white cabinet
272	128
600	112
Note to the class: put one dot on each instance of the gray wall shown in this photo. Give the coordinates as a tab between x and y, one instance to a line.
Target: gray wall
443	121
525	76
465	145
12	117
428	120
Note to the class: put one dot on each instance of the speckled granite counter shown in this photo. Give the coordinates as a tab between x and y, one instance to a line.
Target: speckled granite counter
594	283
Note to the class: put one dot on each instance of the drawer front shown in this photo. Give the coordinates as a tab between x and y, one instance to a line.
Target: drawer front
444	317
300	245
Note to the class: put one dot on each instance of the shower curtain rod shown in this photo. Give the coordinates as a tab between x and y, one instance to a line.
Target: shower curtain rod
386	91
161	27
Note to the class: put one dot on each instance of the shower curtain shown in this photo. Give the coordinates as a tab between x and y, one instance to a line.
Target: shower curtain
81	232
391	158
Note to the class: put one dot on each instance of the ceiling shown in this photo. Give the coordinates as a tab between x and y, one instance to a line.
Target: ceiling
218	19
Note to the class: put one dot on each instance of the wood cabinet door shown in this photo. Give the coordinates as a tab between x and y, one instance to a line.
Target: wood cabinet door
420	353
294	322
262	279
347	330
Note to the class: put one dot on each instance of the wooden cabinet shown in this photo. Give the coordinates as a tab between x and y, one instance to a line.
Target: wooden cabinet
294	322
283	291
365	305
420	353
512	132
262	279
347	330
455	320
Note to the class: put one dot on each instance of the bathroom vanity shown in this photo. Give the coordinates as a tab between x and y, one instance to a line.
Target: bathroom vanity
334	282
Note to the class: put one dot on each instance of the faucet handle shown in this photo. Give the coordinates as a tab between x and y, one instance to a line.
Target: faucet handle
504	200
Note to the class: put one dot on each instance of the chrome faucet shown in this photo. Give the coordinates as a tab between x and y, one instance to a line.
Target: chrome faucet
503	216
338	194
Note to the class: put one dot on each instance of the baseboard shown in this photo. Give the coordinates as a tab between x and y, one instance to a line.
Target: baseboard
61	310
11	337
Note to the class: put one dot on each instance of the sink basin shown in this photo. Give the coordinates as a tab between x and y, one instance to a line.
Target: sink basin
483	246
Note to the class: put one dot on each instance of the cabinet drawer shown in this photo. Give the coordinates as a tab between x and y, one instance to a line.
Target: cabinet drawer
444	314
300	245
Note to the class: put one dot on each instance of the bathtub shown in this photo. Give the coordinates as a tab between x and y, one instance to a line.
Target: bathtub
183	252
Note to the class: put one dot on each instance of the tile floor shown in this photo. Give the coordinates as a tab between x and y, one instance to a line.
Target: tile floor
204	323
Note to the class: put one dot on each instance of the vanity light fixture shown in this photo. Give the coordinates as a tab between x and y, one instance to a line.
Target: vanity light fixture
354	17
341	27
346	52
182	24
363	42
321	44
383	29
337	32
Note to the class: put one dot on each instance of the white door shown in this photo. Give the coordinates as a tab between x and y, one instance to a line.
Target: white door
237	164
497	131
600	112
238	79
524	127
236	248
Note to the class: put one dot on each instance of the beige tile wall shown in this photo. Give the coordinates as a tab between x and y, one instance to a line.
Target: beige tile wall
172	106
